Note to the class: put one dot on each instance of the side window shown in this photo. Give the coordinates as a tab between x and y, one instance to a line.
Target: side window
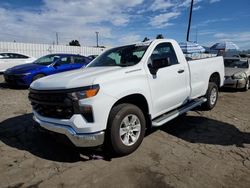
4	56
164	51
20	56
78	59
12	56
65	60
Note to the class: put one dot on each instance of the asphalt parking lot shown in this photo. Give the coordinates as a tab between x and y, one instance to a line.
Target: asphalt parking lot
201	149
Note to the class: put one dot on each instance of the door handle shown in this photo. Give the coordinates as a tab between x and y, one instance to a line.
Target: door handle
180	71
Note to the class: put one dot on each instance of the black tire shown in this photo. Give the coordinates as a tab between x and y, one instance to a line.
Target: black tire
247	85
113	138
38	76
211	102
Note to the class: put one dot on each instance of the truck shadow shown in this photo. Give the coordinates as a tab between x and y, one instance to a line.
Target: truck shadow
22	133
196	129
230	90
4	85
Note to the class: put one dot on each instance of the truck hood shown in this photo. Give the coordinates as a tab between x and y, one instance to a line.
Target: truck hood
71	79
232	71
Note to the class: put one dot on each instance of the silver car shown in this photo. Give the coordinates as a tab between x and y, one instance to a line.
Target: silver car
237	73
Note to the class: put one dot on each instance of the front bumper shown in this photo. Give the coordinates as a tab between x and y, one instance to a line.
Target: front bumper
235	83
16	80
78	139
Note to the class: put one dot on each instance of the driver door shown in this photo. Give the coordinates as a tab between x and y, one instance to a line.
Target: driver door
63	64
169	86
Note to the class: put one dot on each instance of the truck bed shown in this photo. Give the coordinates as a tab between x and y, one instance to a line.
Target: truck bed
200	71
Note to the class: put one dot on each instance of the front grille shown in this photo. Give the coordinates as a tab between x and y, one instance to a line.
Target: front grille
54	105
11	78
58	104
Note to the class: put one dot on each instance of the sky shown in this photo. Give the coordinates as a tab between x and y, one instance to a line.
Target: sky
124	21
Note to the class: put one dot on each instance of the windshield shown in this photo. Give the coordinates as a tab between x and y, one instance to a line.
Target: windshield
47	60
121	56
236	64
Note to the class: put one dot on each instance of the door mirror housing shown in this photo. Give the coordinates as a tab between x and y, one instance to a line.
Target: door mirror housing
157	64
56	64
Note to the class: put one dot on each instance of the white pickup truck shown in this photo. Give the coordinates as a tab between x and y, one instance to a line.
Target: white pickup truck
124	91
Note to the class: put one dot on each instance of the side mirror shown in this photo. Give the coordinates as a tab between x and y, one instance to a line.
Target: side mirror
156	64
56	61
56	64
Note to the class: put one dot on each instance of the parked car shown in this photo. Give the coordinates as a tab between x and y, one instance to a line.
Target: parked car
243	57
24	75
124	91
8	60
237	73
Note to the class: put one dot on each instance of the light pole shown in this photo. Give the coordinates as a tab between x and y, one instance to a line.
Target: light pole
97	35
57	38
190	19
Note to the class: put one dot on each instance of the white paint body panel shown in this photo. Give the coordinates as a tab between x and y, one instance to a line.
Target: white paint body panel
164	92
201	70
9	63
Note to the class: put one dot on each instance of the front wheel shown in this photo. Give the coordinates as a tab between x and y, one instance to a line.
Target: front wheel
38	76
211	96
126	129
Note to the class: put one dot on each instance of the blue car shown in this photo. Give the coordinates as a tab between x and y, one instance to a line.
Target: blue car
24	75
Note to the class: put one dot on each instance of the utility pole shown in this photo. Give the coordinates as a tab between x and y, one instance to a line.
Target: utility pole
190	19
97	35
56	38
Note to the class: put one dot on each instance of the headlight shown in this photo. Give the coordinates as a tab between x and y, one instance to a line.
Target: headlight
7	71
239	75
87	92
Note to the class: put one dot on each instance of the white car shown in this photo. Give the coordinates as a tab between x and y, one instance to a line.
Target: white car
237	73
8	60
124	91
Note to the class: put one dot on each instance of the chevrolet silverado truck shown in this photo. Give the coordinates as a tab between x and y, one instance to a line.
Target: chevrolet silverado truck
124	91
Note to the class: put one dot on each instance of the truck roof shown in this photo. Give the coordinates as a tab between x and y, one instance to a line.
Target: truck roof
154	40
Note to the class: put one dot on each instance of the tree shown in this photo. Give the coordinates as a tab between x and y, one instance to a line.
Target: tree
145	39
74	43
159	36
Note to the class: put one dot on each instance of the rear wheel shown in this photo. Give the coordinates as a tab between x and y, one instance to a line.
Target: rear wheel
38	76
211	96
126	129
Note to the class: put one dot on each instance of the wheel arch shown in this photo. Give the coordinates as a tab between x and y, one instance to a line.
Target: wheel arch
140	101
215	77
